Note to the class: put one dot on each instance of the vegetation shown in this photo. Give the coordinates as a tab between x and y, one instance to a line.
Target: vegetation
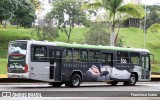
68	13
132	37
3	64
115	8
46	32
20	11
71	19
98	34
25	14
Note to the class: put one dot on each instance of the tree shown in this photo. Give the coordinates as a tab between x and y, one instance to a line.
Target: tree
68	14
114	8
97	34
46	32
25	14
155	28
36	3
7	8
153	15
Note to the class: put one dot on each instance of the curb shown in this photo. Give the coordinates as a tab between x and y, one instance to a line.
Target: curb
3	76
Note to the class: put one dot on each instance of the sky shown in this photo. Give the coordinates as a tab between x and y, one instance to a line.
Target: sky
150	2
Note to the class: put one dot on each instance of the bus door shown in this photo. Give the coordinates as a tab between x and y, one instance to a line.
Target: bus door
55	65
107	61
145	67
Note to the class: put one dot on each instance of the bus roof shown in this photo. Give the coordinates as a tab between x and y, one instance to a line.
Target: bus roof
86	46
99	47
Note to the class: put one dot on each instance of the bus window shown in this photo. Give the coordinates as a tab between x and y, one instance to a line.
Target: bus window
110	59
104	59
84	56
67	55
122	57
97	56
135	58
94	56
39	53
107	59
147	63
143	62
76	55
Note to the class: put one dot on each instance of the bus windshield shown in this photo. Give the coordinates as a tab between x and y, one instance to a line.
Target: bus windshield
17	48
16	57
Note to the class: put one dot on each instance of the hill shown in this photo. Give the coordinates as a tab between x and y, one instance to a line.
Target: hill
132	37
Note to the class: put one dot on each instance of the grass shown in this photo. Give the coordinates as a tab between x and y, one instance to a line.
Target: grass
76	36
7	35
3	64
132	37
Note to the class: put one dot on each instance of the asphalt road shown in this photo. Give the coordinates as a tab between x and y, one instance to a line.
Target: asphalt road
98	91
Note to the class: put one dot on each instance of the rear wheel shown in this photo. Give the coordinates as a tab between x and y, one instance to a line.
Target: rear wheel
74	82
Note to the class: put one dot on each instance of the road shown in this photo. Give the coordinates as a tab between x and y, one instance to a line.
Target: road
98	91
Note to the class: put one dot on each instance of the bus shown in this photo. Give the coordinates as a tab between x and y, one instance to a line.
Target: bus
71	64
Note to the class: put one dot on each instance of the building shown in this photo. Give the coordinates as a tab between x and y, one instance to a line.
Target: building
133	22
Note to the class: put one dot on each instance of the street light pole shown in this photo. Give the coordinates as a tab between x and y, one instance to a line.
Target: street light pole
145	27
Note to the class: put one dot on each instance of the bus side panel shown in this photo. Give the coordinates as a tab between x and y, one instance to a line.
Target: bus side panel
40	71
87	71
138	70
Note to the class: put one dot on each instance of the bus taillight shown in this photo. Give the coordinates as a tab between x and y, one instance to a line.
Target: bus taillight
26	68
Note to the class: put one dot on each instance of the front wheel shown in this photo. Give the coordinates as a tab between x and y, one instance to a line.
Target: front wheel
132	80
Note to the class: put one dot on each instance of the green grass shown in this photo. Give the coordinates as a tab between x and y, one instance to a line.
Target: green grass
7	35
132	37
77	35
3	64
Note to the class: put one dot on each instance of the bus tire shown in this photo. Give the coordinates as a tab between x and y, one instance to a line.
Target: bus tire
131	82
55	84
75	80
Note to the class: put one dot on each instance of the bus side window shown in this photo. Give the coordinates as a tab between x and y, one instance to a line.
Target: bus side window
76	55
94	56
84	56
39	53
104	59
122	57
67	55
135	58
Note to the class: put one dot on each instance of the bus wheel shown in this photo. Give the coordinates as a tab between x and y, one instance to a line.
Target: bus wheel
55	84
113	83
132	80
75	80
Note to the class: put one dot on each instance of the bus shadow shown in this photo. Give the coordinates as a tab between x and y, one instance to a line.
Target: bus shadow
82	86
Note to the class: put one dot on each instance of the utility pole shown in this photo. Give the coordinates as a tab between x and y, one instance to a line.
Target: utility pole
145	27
